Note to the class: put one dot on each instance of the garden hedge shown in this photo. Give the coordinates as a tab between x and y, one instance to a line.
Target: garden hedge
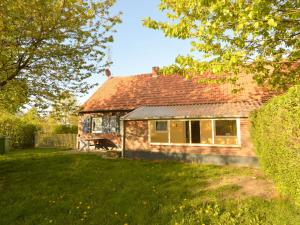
276	136
66	129
20	131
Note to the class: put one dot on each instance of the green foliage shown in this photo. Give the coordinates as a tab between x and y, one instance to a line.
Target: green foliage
259	37
53	45
65	109
20	131
276	135
66	129
13	96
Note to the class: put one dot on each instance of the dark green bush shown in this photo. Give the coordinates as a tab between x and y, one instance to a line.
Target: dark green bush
20	131
276	135
65	129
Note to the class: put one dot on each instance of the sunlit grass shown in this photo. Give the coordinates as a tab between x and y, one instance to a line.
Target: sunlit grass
62	187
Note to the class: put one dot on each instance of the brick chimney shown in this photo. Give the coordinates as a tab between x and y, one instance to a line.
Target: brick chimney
107	73
155	70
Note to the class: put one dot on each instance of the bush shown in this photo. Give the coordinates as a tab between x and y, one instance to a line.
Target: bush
276	135
20	131
65	129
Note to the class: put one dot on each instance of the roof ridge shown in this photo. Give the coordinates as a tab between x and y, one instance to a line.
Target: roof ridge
205	103
133	75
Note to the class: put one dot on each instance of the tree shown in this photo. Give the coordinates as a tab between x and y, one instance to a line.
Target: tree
32	116
53	45
260	37
10	98
65	110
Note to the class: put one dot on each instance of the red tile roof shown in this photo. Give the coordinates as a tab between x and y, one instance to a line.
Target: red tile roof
131	92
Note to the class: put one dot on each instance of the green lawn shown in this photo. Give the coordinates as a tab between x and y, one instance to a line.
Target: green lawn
61	187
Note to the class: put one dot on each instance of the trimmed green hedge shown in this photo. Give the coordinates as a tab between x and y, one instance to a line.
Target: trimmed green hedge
20	131
276	136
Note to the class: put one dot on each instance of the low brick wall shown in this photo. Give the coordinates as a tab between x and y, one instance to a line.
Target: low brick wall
197	158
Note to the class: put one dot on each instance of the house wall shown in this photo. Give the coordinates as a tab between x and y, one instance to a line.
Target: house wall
114	137
136	133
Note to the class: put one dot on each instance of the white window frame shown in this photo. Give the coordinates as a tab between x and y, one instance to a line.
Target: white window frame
118	123
96	131
194	144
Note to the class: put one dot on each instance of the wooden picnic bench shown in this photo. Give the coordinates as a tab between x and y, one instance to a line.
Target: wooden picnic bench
105	144
99	143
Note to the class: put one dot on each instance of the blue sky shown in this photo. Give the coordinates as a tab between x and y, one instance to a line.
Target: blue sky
136	48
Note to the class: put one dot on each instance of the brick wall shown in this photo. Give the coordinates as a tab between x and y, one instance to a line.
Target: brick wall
136	133
114	137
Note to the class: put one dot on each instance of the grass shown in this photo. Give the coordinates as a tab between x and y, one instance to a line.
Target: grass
61	187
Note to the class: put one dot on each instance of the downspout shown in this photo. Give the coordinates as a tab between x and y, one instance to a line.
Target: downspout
122	138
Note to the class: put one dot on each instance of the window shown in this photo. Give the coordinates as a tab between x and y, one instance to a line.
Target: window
86	125
159	132
225	132
114	124
161	126
206	132
106	124
202	132
180	132
97	124
226	128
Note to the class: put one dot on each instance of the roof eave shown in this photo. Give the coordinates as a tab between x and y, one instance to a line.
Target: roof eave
184	117
104	110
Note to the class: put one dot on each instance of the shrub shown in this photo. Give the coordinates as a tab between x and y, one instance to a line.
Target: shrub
65	129
21	132
276	135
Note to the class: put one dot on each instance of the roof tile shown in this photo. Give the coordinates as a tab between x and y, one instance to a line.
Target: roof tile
128	93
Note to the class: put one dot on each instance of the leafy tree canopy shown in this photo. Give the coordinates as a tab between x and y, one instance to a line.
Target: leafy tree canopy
50	46
261	37
65	110
10	98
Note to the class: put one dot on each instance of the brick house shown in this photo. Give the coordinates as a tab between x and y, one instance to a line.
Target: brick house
154	116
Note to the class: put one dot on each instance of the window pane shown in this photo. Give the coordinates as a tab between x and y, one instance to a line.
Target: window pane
87	125
226	128
158	136
114	124
97	124
106	124
223	140
226	132
195	129
180	132
161	126
206	131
